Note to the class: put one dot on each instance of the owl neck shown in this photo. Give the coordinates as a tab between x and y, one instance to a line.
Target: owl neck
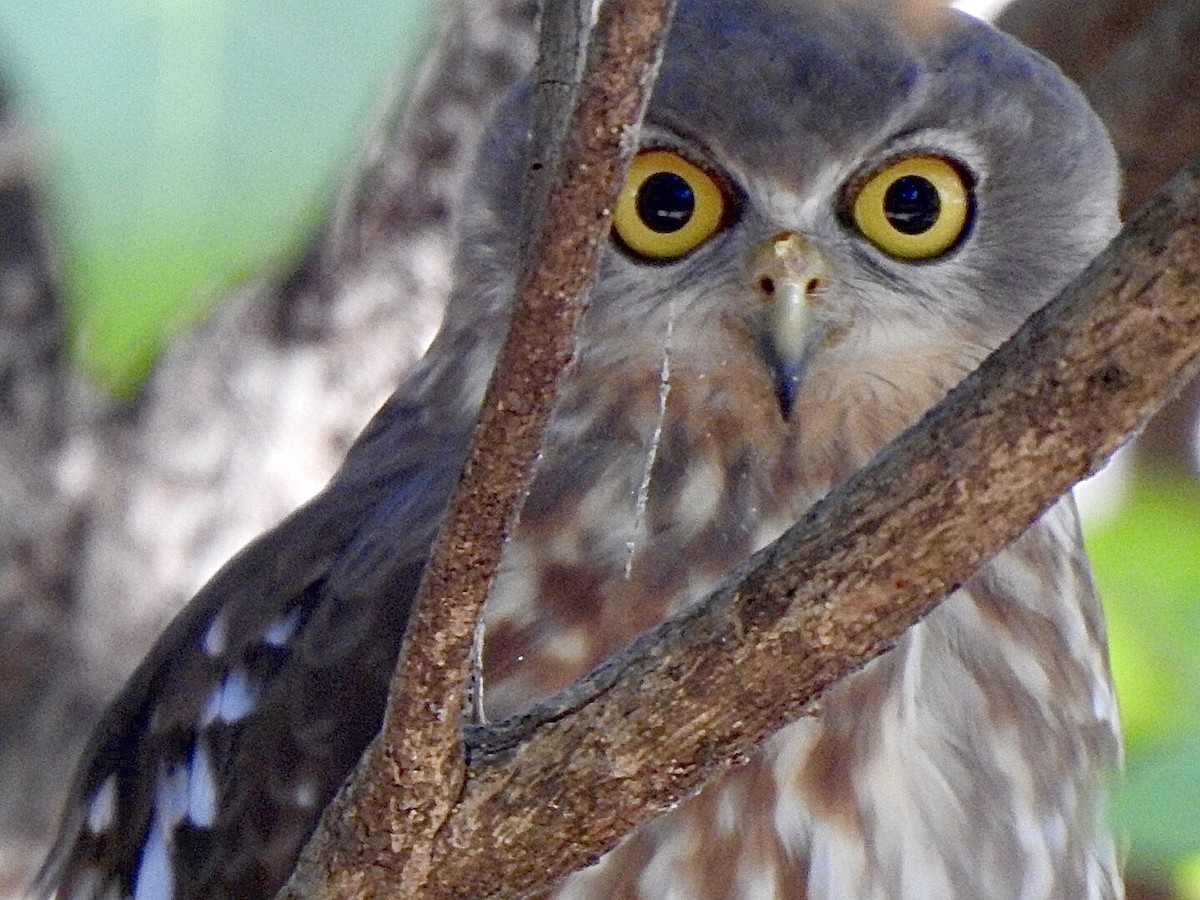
658	477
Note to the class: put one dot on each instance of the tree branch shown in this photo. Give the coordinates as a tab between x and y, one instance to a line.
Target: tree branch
562	53
408	782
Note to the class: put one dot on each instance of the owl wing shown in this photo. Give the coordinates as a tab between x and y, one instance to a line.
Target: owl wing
211	768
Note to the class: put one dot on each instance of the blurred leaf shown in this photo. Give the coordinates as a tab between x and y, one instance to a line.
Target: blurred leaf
1187	880
1147	564
192	142
1160	801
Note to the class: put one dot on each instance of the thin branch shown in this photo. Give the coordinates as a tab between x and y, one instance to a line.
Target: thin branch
562	51
375	838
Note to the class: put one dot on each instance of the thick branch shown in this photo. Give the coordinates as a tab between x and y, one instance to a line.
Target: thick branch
378	832
695	697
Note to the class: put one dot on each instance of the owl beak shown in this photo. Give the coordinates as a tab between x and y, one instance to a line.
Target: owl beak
788	274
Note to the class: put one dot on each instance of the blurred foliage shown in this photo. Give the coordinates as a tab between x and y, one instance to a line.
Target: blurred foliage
192	141
1147	563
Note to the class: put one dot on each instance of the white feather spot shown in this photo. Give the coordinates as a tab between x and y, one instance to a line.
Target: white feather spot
1105	494
727	813
216	636
702	491
1021	578
1038	877
1055	829
233	699
516	583
304	795
987	10
103	809
790	749
755	880
664	875
201	789
1104	701
280	631
171	796
154	880
569	648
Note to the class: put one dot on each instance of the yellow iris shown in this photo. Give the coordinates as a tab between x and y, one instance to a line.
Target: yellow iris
668	206
914	208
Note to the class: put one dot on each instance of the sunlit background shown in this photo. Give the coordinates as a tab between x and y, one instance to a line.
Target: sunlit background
187	143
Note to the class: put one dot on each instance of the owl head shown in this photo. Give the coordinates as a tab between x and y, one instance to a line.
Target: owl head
864	201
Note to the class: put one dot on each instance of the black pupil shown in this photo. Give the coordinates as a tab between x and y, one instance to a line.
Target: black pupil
912	204
665	202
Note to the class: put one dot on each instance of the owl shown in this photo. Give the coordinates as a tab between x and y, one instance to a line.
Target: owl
836	211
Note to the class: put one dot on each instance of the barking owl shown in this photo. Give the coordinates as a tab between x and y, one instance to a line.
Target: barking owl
835	213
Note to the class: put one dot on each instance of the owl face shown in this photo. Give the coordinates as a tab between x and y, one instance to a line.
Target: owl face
856	194
867	204
834	215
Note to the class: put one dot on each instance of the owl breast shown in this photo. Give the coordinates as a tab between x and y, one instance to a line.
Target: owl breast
663	473
966	763
656	480
665	470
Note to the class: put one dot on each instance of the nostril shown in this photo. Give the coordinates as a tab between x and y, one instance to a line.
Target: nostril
813	285
767	284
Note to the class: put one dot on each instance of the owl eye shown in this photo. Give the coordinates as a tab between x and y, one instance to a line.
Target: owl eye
668	206
914	208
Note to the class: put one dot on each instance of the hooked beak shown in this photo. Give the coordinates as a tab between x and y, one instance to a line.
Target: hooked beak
788	271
